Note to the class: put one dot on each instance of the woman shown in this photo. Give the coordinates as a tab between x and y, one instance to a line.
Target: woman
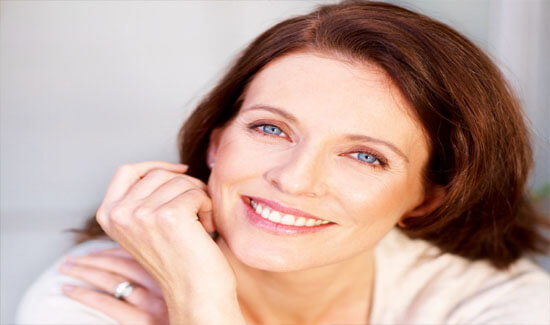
359	164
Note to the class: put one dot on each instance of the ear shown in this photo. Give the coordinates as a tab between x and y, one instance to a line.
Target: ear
433	198
213	145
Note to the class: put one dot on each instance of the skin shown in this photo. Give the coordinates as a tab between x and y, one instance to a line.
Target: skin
104	270
364	187
311	166
152	210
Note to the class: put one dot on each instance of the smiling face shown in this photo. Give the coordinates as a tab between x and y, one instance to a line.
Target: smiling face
332	139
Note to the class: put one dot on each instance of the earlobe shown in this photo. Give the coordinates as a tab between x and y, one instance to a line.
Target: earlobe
433	198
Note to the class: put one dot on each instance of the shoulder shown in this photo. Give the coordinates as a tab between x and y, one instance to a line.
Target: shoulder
446	288
44	302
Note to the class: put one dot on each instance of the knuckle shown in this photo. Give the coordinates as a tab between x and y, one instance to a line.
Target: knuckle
195	181
100	216
157	172
190	181
195	193
123	169
166	214
181	179
142	213
119	214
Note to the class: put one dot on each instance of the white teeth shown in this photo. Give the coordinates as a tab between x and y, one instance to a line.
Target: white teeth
258	208
275	216
300	222
286	219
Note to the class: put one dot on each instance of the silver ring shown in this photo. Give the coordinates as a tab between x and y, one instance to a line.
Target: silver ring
123	290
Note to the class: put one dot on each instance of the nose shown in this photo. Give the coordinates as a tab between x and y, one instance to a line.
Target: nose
299	173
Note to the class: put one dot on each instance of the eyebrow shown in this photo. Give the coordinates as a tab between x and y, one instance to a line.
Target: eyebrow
352	137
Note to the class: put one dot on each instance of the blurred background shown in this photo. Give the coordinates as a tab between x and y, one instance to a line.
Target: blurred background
86	86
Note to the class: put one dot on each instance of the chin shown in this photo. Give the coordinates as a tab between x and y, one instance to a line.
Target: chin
264	257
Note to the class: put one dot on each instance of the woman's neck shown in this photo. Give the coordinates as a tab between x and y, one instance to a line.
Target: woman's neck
339	292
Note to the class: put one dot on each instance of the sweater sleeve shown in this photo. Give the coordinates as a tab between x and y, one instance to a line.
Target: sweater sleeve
45	303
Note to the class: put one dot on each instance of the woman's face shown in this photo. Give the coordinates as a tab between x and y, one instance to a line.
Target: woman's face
316	134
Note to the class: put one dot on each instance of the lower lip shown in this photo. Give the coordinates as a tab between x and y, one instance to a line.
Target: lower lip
277	228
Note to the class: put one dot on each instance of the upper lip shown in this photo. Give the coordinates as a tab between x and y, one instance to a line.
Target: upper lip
276	206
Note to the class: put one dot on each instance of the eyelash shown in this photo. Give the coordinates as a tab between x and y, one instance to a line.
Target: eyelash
382	163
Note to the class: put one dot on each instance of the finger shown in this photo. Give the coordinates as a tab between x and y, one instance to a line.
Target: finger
118	310
163	194
117	251
108	282
156	178
127	268
195	200
127	175
148	183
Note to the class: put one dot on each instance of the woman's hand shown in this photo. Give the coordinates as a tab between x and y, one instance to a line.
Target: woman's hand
151	209
105	270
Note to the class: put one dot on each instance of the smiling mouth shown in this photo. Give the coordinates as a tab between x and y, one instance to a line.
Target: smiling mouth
272	214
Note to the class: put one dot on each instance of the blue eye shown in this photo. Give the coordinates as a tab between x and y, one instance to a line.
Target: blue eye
368	158
271	129
268	129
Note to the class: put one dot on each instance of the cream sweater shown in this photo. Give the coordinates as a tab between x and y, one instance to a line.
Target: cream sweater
411	287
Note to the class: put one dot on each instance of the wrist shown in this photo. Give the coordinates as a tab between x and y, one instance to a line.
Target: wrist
196	308
223	309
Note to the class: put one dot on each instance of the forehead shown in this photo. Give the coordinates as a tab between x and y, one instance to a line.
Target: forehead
335	96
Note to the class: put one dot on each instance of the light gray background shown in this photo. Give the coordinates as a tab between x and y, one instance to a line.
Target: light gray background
86	86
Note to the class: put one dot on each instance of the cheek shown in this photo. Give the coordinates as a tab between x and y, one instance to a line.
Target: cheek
237	159
379	198
236	162
242	157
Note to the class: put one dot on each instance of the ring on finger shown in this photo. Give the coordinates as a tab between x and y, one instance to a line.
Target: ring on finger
123	290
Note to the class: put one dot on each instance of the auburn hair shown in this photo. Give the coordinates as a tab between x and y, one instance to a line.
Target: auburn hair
479	143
